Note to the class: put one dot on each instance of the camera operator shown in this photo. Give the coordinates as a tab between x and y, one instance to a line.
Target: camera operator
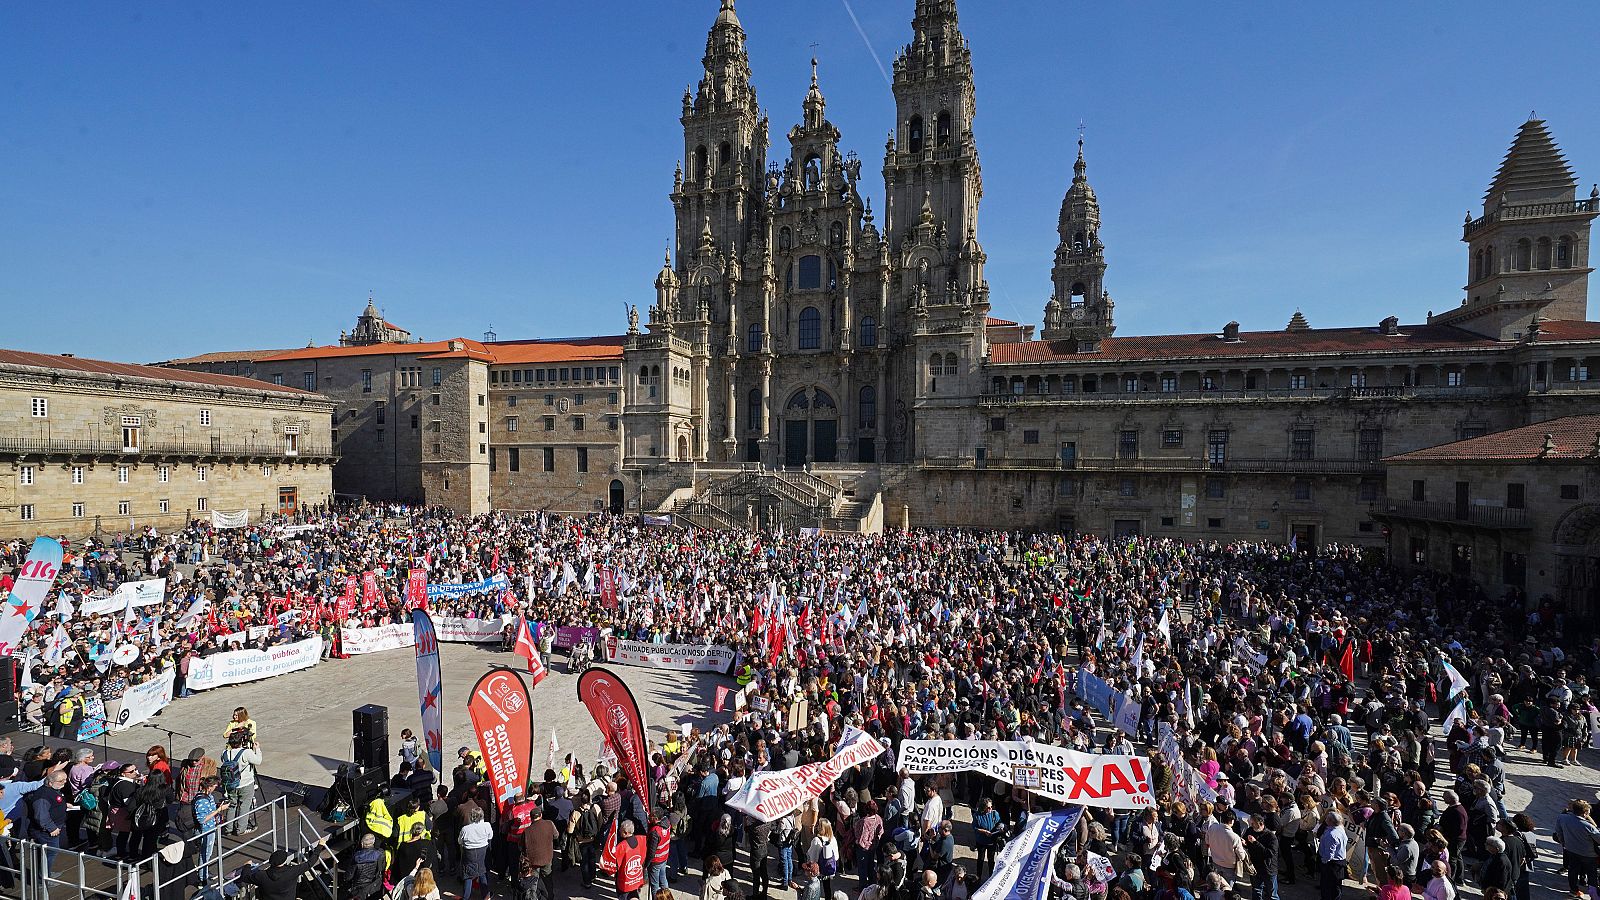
236	775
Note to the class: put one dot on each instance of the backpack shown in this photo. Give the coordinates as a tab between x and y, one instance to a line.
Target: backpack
229	772
145	815
188	822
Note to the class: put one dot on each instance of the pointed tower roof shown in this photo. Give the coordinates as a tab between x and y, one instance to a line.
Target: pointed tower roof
728	16
371	312
1532	169
1080	204
1297	322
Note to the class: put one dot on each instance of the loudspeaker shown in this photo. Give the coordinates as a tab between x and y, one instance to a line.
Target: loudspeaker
8	678
370	728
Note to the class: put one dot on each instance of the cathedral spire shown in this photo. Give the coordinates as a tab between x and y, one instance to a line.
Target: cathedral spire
727	64
1079	310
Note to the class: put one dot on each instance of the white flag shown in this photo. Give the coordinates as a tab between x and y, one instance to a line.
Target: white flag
1458	684
1459	713
1127	716
57	651
64	607
555	751
1164	627
1137	663
131	892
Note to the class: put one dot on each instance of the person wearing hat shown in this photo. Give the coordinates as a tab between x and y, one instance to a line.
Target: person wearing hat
278	878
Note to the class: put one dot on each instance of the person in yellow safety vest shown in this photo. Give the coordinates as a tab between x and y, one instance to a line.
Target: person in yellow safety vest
473	760
410	814
745	676
378	820
69	714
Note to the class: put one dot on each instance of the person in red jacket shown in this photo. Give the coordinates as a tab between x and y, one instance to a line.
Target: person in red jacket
660	847
630	857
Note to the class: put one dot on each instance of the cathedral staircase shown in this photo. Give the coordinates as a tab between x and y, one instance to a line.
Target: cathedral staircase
753	496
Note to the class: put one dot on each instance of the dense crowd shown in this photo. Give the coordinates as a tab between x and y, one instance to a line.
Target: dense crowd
1301	700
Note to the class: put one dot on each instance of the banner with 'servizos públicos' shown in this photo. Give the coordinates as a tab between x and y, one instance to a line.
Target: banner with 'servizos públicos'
1113	781
502	718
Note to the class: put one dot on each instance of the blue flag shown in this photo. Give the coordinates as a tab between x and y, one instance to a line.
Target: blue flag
1022	870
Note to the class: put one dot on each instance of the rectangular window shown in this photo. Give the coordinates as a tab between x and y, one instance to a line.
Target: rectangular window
200	504
616	374
997	423
205	418
1369	444
1207	383
492	456
1130	384
1516	495
538	376
41	407
435	399
1358	379
311	381
494	376
1169	384
1455	379
549	423
511	400
1419	551
1216	447
1302	444
1127	488
164	505
380	409
577	423
583	459
1302	490
611	398
25	512
516	376
483	427
277	379
414	423
480	399
202	471
588	373
1213	523
1369	490
1570	492
1216	487
438	376
1471	430
1299	382
122	474
1030	436
549	459
77	474
123	507
577	399
1419	490
266	471
1578	373
611	423
366	381
1128	444
513	459
549	399
482	449
511	423
1171	437
25	475
77	510
163	474
565	373
130	433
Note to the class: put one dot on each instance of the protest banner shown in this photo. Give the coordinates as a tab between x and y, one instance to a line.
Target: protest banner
568	637
495	583
240	666
1022	870
357	641
681	657
502	718
1108	780
767	796
457	630
142	701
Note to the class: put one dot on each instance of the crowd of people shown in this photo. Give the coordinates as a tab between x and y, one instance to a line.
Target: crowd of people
1308	715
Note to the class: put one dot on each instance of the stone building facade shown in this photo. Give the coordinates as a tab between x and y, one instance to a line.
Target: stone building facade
89	446
1515	509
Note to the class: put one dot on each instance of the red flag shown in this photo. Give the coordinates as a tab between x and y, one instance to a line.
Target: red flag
525	647
536	667
1347	660
721	700
616	712
608	851
494	563
755	622
417	589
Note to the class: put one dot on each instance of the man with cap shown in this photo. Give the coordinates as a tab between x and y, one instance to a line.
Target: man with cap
278	878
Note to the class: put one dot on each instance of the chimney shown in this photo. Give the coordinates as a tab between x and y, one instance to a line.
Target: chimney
1230	332
1390	326
457	345
1549	445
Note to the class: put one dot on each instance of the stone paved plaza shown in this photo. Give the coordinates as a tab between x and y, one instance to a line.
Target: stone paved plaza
304	720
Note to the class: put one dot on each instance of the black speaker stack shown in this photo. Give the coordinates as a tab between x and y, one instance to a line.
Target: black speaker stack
10	718
370	728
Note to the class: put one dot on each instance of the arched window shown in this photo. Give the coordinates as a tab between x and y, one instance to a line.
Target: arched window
914	135
785	239
702	164
644	374
810	273
942	132
950	364
810	328
756	337
1488	260
836	235
869	331
1479	270
752	412
798	402
1522	261
867	408
1564	253
1541	256
936	364
823	401
724	154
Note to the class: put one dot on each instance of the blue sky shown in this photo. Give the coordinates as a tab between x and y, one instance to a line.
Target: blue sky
178	178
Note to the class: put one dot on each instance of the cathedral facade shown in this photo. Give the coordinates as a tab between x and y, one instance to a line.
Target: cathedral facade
786	326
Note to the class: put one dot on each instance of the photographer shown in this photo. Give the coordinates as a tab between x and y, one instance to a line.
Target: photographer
236	775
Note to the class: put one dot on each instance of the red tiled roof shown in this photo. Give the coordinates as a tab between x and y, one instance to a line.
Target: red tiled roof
1412	338
436	349
1574	438
558	349
220	356
132	370
393	327
992	322
1568	330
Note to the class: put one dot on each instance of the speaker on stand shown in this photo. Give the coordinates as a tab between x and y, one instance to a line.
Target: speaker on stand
10	718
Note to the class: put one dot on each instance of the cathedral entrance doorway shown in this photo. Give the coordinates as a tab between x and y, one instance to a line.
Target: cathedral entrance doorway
810	428
1577	539
616	497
